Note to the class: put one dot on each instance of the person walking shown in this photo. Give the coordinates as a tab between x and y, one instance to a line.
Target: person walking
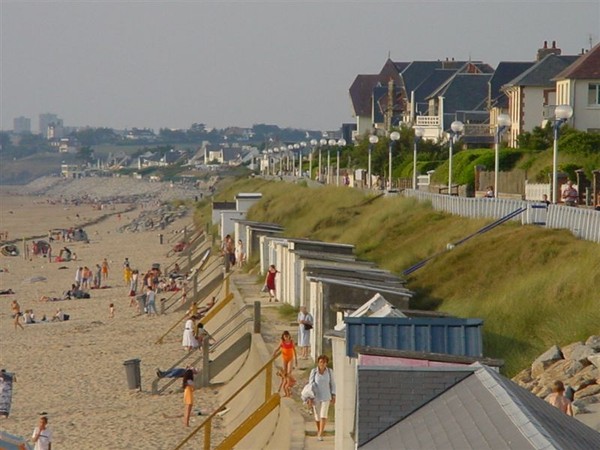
305	324
239	253
42	435
322	381
288	352
16	314
270	282
188	395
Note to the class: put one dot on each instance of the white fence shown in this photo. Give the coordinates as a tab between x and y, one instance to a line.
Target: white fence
583	223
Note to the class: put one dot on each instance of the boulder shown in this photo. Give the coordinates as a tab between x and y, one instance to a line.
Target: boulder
523	378
595	360
560	370
587	391
578	352
583	378
593	342
545	360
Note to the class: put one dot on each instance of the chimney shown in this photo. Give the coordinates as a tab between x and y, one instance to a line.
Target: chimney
545	51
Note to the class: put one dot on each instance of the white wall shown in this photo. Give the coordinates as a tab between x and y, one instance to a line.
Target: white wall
344	371
584	116
227	225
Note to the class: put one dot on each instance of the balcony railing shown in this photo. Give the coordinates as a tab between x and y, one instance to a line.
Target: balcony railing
427	121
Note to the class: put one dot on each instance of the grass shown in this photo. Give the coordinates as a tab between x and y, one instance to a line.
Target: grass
533	287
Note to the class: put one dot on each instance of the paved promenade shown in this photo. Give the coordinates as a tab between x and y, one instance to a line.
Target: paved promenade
294	412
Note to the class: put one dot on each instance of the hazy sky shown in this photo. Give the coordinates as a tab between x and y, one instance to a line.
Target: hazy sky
170	64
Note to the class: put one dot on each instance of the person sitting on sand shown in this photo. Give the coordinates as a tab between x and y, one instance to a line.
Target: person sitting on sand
60	316
175	372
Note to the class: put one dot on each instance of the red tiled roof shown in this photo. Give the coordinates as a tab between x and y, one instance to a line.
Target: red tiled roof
585	67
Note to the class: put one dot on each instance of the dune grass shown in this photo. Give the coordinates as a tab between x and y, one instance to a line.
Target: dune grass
532	286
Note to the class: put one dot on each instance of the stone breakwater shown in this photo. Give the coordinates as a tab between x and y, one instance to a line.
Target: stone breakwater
110	189
577	365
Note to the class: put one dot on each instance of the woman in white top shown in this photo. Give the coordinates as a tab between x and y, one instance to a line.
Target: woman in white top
239	253
189	341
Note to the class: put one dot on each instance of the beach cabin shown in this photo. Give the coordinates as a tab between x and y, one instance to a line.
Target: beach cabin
378	324
250	233
457	406
245	200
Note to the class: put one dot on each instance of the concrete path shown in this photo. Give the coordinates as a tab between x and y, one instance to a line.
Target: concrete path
302	426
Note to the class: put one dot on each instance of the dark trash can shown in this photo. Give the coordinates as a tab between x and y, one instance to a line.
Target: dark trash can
134	377
160	239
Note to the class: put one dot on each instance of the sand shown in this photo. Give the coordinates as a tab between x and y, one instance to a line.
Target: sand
74	370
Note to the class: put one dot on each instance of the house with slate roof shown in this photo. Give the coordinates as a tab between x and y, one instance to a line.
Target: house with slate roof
579	86
448	406
531	92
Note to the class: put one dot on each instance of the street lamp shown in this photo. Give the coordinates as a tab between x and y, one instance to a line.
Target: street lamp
322	142
456	128
394	136
373	139
340	143
296	148
313	144
503	122
419	132
562	113
330	143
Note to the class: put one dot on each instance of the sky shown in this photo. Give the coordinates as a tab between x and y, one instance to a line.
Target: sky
157	64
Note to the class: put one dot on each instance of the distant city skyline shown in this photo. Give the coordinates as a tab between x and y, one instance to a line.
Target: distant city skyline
287	63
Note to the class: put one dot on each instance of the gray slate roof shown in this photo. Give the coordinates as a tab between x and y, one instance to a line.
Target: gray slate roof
486	411
506	71
542	73
464	92
387	395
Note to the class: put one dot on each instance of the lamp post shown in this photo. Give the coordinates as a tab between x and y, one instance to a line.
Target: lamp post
330	143
394	136
562	113
340	143
419	132
296	148
313	144
322	142
503	122
373	139
456	128
301	153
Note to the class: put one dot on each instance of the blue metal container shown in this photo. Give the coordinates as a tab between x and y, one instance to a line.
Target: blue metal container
452	336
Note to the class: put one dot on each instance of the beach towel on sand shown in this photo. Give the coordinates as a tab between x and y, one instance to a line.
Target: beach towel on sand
6	382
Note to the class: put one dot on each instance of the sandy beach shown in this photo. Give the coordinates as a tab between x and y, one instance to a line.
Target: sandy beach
74	370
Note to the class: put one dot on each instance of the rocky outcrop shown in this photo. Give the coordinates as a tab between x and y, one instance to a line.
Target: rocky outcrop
577	365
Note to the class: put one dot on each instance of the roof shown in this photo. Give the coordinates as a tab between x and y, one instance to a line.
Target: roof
506	71
586	67
542	72
386	395
450	335
416	72
437	78
483	410
361	91
464	92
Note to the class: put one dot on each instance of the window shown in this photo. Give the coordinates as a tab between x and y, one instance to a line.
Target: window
593	94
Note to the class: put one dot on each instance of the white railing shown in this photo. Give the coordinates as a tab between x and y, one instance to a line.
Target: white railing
427	121
583	223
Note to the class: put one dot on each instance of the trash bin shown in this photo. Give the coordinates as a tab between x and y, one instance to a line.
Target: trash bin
134	377
160	239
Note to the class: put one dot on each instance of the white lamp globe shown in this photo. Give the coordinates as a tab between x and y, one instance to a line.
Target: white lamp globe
457	126
323	141
563	112
504	120
342	142
313	142
373	139
394	136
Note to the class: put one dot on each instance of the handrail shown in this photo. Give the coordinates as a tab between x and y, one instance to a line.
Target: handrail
231	333
268	369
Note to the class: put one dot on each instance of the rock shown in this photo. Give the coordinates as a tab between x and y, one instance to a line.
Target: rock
595	360
545	360
578	352
587	391
593	342
523	378
541	391
583	378
560	370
